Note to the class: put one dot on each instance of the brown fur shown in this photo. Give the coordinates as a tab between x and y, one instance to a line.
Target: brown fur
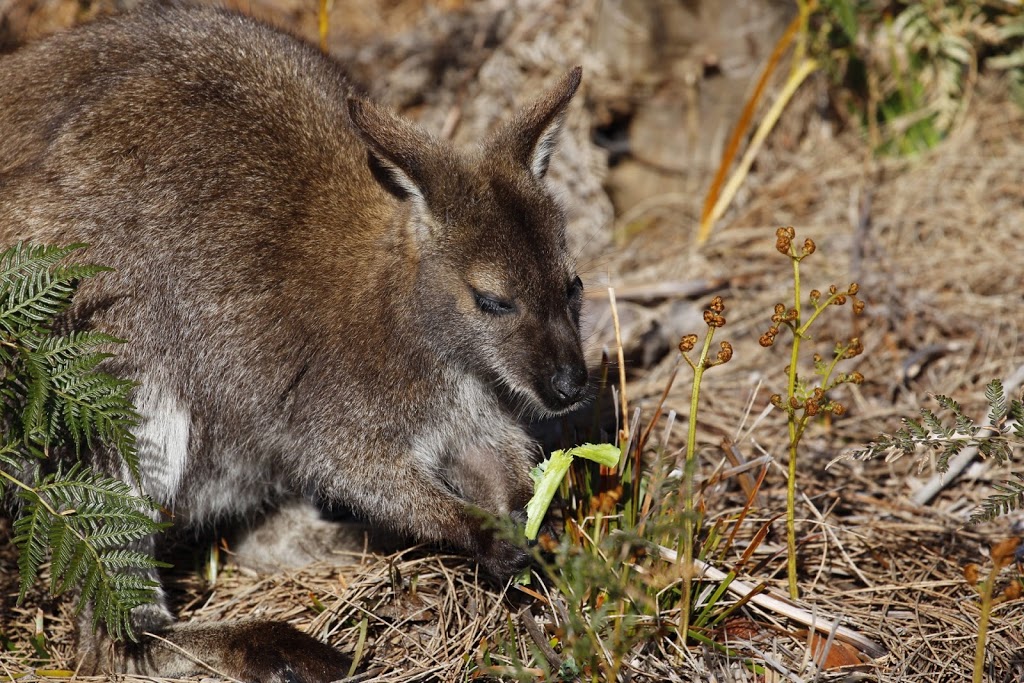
319	297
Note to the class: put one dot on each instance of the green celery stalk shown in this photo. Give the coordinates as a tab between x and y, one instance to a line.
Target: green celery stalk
549	474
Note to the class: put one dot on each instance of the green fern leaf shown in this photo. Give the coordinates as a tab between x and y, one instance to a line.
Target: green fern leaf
70	555
996	398
950	450
915	430
8	452
29	305
1009	497
964	424
37	391
1016	415
995	448
31	535
113	604
94	513
73	347
934	424
23	262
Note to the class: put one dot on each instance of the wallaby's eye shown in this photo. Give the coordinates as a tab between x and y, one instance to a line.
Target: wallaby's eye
575	291
493	304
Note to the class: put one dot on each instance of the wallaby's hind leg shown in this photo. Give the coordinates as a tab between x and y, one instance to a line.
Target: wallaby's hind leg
256	651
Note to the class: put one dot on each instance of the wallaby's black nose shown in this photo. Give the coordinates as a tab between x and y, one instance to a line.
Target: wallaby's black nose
570	382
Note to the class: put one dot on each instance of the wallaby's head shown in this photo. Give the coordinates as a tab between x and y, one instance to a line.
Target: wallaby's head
496	283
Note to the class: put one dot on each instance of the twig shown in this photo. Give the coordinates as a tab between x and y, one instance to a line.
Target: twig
533	628
624	435
740	129
771	117
847	635
679	289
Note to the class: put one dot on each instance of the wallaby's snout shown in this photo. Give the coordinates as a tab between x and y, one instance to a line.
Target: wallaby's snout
569	383
562	377
571	375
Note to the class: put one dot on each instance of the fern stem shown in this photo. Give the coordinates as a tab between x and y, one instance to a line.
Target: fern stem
986	611
689	473
797	424
29	489
818	310
794	435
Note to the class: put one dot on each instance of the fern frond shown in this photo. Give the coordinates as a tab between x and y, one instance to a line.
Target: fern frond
114	600
54	393
995	448
934	424
8	452
81	487
71	348
31	536
97	406
915	429
1016	415
964	424
33	302
37	392
949	451
23	262
86	519
998	441
1009	497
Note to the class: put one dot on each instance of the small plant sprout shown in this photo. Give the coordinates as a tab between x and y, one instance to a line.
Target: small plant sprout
806	399
714	319
548	475
1003	554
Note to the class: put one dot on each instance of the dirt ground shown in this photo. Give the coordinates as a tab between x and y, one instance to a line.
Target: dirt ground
936	244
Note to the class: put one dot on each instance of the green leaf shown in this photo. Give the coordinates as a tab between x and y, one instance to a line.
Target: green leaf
934	424
844	12
997	401
964	424
950	450
1009	497
604	454
31	536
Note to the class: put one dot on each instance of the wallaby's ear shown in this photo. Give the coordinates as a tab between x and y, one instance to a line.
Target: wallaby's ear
400	149
530	136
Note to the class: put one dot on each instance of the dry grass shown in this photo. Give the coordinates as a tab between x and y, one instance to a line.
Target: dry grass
937	245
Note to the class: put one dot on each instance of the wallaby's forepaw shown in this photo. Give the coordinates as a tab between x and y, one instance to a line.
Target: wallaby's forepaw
505	559
501	557
252	651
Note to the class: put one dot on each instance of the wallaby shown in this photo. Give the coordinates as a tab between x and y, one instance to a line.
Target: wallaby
320	298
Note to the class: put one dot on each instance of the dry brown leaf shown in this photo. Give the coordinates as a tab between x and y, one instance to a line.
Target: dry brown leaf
839	654
1004	552
739	628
